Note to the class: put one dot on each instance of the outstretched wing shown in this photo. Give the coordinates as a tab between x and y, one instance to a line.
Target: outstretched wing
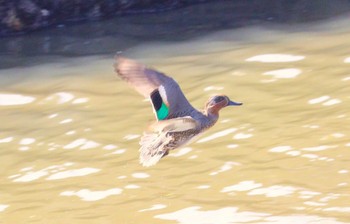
165	94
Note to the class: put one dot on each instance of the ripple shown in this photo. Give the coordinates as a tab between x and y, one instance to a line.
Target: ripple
338	209
140	175
318	148
338	135
274	191
332	102
14	99
154	207
62	97
132	186
80	100
88	195
73	173
3	207
23	148
288	150
286	73
210	88
65	121
281	148
232	146
27	141
82	143
242	186
330	196
308	194
327	101
314	203
110	147
311	126
242	135
55	171
26	169
319	99
89	145
6	140
193	215
131	136
300	219
203	187
310	156
217	135
75	143
227	166
347	60
293	153
31	176
72	132
181	152
52	115
119	151
271	58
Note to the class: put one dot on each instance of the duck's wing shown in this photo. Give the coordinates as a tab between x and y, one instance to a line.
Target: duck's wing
156	144
180	124
167	99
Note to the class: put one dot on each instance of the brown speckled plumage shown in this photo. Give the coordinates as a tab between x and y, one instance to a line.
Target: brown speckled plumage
181	123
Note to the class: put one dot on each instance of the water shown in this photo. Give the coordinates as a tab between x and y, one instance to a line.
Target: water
70	131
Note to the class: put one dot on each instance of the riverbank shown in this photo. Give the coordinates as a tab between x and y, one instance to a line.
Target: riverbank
24	16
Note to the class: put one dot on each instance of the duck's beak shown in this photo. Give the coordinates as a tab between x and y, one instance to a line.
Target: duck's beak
232	103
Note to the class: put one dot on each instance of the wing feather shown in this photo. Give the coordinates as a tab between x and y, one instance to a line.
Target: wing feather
146	81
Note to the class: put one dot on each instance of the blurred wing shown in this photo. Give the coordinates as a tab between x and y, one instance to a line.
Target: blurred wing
165	94
152	148
180	124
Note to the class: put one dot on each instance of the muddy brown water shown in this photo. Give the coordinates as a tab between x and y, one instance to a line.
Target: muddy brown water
70	130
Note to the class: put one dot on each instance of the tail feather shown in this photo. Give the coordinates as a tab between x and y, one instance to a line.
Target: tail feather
152	148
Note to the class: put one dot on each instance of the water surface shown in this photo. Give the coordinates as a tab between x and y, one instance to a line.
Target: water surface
70	131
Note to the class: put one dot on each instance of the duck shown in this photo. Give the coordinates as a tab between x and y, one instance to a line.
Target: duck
177	121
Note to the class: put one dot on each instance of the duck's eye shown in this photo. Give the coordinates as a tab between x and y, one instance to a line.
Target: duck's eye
218	99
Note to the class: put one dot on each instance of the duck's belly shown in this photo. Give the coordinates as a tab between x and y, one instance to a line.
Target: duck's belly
180	138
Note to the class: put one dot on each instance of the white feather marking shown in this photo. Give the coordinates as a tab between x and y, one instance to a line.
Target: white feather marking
162	93
174	125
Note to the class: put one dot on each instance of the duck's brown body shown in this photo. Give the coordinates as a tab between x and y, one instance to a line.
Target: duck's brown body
177	121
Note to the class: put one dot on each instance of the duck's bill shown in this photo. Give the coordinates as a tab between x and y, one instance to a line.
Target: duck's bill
232	103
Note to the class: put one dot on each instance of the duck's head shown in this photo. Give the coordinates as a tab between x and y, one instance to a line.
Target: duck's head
218	102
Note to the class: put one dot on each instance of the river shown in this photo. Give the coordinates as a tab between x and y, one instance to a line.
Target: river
70	130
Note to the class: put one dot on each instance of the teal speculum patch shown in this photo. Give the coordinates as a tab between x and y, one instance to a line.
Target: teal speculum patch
159	106
163	112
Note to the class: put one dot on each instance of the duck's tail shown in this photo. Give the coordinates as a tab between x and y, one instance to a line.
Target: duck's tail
153	148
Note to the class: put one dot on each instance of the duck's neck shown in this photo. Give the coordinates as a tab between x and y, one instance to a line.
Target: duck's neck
212	118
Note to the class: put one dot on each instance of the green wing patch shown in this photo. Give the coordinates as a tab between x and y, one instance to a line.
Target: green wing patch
162	110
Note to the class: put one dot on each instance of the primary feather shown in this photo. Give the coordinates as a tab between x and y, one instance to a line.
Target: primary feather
145	81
